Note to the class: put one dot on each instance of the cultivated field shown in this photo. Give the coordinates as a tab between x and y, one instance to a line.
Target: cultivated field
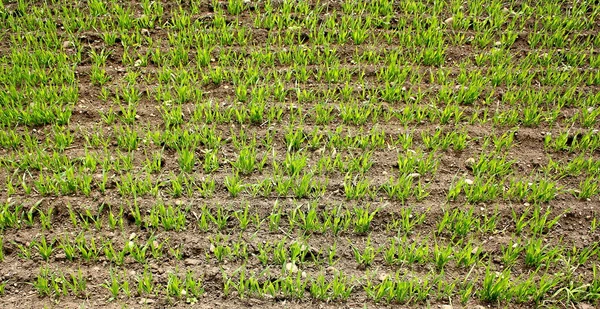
333	153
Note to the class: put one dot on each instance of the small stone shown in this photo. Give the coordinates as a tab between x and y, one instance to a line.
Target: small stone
211	248
145	32
67	44
414	175
469	163
449	20
446	307
132	236
146	301
468	181
192	262
291	267
474	251
138	63
303	274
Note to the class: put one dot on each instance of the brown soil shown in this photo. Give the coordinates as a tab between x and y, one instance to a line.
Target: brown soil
529	154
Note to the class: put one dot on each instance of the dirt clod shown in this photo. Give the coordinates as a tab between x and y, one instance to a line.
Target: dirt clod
192	262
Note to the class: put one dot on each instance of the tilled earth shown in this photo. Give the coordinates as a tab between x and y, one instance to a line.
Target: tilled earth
299	154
